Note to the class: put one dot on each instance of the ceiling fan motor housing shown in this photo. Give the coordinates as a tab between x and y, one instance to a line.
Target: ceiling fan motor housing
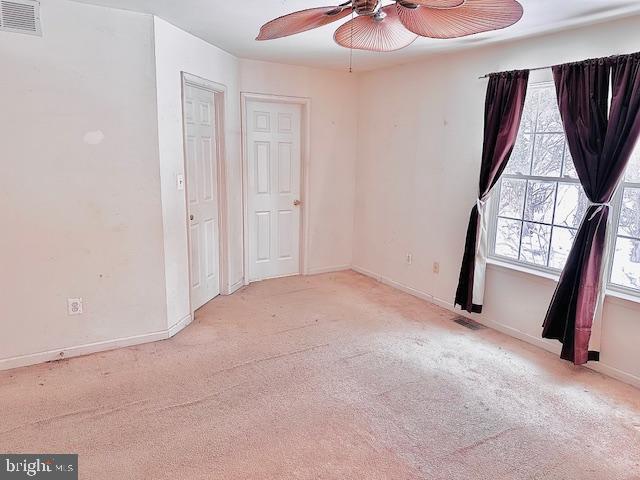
366	7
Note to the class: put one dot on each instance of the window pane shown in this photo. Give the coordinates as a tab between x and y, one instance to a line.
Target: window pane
512	197
548	113
508	238
520	161
547	155
630	213
571	205
539	205
626	263
633	170
542	204
560	246
569	168
530	112
535	243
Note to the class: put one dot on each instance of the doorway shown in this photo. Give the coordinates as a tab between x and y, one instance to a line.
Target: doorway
203	171
275	206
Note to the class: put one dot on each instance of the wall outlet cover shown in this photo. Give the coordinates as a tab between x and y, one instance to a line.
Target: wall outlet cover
74	306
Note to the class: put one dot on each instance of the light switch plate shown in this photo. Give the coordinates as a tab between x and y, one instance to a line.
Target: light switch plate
180	182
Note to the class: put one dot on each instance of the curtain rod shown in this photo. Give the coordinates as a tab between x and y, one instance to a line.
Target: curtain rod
530	69
569	63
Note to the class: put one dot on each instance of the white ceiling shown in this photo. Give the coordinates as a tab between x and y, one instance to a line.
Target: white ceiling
233	25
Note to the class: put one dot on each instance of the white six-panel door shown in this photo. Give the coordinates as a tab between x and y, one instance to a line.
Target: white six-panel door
202	194
273	184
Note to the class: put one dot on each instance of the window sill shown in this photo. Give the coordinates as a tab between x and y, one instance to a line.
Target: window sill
522	269
622	298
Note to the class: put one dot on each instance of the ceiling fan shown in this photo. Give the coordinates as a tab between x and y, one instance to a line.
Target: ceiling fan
379	28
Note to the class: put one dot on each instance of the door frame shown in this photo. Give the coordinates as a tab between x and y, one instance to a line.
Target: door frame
305	155
219	92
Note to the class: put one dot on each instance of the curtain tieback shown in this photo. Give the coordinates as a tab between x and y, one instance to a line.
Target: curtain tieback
599	209
480	204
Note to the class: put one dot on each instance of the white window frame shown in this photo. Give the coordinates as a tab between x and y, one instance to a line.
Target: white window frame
612	234
495	201
612	238
493	222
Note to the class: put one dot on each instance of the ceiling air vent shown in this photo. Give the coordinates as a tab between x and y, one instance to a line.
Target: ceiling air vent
20	16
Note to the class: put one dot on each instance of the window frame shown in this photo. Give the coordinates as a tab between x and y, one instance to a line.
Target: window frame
494	207
612	235
494	204
612	238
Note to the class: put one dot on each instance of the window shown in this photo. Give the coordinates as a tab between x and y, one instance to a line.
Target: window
541	202
538	203
625	268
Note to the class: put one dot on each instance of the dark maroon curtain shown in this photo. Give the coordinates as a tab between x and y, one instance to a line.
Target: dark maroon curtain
601	145
503	111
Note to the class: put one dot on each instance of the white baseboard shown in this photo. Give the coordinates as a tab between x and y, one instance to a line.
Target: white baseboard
366	272
394	284
235	287
547	345
182	323
336	268
80	350
615	373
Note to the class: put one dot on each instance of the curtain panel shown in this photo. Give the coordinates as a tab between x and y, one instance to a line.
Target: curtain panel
601	139
504	105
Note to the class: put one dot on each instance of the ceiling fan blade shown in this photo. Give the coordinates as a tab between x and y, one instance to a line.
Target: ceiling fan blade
438	3
475	16
302	21
380	33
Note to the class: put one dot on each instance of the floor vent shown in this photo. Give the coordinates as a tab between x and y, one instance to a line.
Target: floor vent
467	323
20	16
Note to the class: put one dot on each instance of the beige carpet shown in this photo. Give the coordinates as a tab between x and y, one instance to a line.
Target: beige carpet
326	377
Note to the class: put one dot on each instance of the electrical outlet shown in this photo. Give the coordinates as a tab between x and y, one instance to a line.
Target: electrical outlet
436	267
409	259
74	306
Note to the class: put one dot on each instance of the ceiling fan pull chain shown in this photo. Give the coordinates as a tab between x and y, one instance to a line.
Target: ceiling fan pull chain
351	49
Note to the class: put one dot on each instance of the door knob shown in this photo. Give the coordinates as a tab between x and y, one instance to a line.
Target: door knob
191	217
297	203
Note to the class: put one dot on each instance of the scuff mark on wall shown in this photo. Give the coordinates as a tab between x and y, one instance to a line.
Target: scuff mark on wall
95	137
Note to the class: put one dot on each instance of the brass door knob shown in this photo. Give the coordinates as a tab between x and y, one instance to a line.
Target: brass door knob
191	217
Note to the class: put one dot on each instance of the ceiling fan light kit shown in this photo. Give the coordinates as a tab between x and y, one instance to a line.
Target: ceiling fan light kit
378	28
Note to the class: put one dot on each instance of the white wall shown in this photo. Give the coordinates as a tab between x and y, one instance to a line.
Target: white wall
419	147
79	219
333	118
332	159
177	51
106	221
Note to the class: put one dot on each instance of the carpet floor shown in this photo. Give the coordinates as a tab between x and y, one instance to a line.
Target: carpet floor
333	376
